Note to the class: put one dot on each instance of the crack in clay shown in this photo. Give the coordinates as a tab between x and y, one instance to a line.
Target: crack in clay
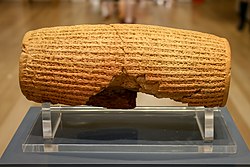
117	33
198	91
123	70
139	81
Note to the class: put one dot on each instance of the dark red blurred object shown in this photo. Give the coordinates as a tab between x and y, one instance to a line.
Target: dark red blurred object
198	1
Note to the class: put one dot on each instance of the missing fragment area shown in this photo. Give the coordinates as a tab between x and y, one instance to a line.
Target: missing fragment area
122	91
114	97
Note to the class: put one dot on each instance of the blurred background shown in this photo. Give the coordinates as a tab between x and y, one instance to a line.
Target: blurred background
225	18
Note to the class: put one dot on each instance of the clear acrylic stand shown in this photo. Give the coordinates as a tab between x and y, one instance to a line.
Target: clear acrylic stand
204	118
50	121
143	129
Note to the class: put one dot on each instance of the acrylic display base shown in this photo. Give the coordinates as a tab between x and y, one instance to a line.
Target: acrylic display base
139	130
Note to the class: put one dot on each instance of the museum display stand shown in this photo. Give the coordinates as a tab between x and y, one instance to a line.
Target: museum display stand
139	130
